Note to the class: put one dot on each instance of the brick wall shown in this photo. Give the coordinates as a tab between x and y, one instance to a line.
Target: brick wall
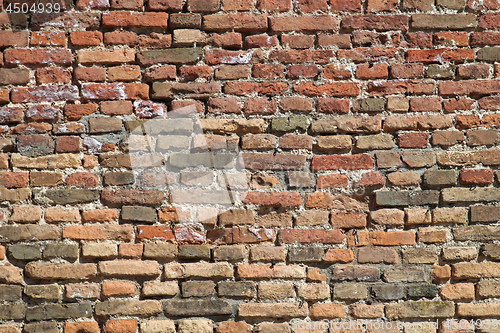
366	135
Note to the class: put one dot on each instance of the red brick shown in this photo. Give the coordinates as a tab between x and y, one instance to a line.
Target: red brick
417	40
400	86
347	162
233	327
260	41
224	105
67	144
95	74
374	6
267	71
100	215
369	54
277	199
339	256
346	5
14	179
240	235
238	5
473	71
331	181
92	56
372	71
117	288
52	75
48	38
266	87
440	55
407	71
421	104
298	41
86	4
76	111
382	238
228	40
370	179
127	4
260	106
310	236
467	121
137	20
155	40
133	251
301	56
79	327
476	177
348	220
14	38
336	89
82	179
215	57
489	21
452	38
452	105
335	72
191	73
485	38
153	232
469	87
165	5
86	38
44	94
106	91
4	93
333	105
124	73
274	5
120	38
342	41
236	22
295	141
120	326
261	161
37	56
306	6
487	4
158	73
413	140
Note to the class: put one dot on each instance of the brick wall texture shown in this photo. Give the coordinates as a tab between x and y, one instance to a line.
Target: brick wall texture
367	132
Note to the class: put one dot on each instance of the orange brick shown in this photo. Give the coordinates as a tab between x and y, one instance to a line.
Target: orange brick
120	326
117	288
100	215
85	326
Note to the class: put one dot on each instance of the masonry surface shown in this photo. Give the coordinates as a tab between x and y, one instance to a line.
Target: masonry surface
369	189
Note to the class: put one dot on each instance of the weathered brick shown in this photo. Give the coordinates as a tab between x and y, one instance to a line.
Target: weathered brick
129	20
128	307
420	309
59	311
50	271
197	307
